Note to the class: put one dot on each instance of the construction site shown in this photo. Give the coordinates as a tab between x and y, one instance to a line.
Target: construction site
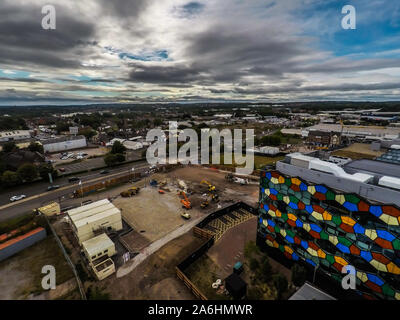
148	222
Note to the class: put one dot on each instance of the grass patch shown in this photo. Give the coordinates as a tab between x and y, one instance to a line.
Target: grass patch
32	260
12	224
259	161
353	155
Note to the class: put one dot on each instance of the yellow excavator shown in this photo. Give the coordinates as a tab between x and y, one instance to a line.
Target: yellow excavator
211	188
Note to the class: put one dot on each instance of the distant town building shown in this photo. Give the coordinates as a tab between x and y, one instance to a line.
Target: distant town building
324	138
17	135
73	130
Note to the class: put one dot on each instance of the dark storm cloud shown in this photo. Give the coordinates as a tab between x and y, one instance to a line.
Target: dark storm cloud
125	8
313	88
341	65
165	75
221	55
25	80
23	39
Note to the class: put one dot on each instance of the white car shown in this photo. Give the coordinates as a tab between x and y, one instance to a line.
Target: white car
17	198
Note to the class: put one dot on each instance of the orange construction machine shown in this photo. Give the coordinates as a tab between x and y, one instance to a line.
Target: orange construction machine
185	201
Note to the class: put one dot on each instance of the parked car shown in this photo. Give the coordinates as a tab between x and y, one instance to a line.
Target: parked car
74	179
51	188
17	198
62	169
104	172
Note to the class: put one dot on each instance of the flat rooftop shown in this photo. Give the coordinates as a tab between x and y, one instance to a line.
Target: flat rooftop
309	292
373	167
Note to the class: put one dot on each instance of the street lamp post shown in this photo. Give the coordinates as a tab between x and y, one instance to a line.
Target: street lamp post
132	170
80	183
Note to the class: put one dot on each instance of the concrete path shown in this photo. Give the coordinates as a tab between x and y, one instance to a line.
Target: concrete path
155	246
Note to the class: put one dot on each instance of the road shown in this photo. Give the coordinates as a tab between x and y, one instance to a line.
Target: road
38	196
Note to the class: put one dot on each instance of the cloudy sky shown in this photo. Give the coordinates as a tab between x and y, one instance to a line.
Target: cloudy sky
206	50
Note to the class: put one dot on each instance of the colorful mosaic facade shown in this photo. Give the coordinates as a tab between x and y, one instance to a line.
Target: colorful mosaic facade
328	229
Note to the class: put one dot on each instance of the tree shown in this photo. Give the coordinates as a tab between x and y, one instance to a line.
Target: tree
299	275
280	283
157	122
118	147
45	169
88	133
120	157
273	141
9	147
110	159
36	147
27	172
265	270
113	159
10	179
254	264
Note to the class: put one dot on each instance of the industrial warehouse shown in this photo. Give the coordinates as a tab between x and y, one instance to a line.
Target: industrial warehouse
64	144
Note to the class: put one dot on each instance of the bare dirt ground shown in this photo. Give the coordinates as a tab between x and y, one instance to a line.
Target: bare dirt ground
155	278
20	275
153	214
227	190
229	249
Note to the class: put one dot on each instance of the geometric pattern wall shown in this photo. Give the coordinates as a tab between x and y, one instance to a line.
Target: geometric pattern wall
328	230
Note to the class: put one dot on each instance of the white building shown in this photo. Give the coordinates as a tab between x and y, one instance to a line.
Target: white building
98	247
64	144
98	216
6	136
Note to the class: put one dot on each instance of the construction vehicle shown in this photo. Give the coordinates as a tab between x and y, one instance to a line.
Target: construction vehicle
204	204
185	201
130	192
231	178
214	197
185	215
211	188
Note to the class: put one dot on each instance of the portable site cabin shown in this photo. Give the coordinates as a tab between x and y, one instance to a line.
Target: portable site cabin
98	251
51	209
98	247
94	217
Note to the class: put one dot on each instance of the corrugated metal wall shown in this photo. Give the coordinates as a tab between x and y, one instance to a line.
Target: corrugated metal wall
21	245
